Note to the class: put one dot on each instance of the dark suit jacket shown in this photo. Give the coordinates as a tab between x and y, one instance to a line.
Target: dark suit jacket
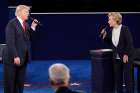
125	45
66	90
18	42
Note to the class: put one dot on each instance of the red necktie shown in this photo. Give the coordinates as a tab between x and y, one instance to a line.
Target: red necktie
24	26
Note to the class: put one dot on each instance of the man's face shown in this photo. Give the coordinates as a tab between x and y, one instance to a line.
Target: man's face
111	21
24	14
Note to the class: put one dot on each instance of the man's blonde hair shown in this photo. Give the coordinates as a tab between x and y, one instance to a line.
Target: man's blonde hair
116	16
20	8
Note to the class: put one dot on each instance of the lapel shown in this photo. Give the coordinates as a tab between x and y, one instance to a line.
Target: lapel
19	26
120	36
20	30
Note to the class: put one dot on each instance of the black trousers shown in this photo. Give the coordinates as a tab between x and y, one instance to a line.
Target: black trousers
123	73
14	78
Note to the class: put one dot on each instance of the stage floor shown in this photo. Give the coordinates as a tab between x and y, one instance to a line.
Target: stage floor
37	80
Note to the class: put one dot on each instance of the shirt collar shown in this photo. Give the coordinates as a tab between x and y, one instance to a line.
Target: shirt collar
20	20
119	27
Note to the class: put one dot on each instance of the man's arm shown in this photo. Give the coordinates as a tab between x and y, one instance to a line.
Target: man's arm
10	40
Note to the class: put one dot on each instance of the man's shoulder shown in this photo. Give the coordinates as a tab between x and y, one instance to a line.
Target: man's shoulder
12	21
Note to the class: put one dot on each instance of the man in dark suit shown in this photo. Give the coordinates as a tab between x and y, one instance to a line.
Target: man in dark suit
122	45
59	75
17	53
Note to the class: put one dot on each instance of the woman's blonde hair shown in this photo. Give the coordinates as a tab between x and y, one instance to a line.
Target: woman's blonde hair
116	16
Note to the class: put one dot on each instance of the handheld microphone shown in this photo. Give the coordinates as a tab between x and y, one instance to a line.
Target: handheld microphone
37	22
104	30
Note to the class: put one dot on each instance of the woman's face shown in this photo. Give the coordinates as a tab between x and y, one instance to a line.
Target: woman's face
111	21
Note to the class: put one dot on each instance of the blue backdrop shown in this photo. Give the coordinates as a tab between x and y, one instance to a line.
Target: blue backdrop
71	36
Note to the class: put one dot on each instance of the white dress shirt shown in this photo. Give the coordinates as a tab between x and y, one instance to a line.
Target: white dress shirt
20	20
116	36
